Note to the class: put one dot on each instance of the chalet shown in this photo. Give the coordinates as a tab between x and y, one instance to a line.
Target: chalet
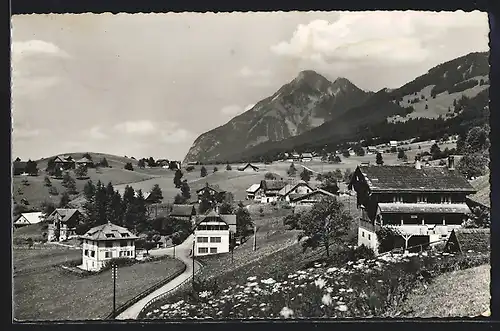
423	203
252	190
19	168
64	162
292	190
28	219
62	224
215	192
213	233
372	150
183	212
164	163
468	240
248	168
296	157
393	143
85	161
269	190
306	157
105	242
310	198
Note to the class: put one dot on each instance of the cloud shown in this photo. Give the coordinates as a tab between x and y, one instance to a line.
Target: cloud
247	72
231	110
374	36
141	127
21	131
177	135
20	49
96	133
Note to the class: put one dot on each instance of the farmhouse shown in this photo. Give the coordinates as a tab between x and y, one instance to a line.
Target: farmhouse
468	240
19	168
213	233
249	168
252	190
62	224
423	203
183	212
105	242
28	219
215	192
65	162
269	190
290	190
372	150
85	161
310	198
306	157
393	143
296	157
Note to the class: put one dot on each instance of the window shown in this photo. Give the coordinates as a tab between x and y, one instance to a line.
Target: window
369	237
107	255
202	239
123	243
124	235
215	239
129	253
362	234
86	252
109	244
202	250
92	253
110	235
213	250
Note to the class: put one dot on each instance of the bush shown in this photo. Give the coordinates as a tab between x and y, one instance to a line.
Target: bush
189	168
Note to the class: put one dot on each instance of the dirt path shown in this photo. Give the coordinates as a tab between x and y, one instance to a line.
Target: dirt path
182	252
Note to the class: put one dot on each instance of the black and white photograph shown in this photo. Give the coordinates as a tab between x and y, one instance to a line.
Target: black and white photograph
250	165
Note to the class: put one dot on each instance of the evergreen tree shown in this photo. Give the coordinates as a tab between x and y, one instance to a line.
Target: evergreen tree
185	190
104	163
203	171
207	202
47	181
226	208
156	195
100	204
140	209
50	165
228	167
81	171
215	169
305	175
244	221
32	168
179	199
401	154
151	162
114	209
379	159
89	191
65	199
57	173
129	166
177	178
292	170
141	164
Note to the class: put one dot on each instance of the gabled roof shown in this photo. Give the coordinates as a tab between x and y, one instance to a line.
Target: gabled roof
210	187
248	165
290	187
424	208
309	155
84	160
66	214
64	159
310	194
108	231
29	218
464	240
274	185
482	196
253	188
183	210
408	178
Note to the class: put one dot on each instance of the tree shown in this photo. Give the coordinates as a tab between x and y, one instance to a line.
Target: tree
215	169
401	154
172	165
472	165
292	221
387	238
207	202
48	207
53	190
141	164
47	181
270	176
88	156
151	162
177	178
346	154
65	199
81	171
305	175
228	167
359	150
244	222
129	166
32	168
379	159
325	224
179	199
347	175
330	184
156	195
203	171
89	191
140	209
104	163
226	208
57	173
114	208
50	165
477	140
435	151
185	190
291	170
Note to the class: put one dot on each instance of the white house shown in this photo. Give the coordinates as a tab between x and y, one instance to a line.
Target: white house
306	157
269	190
393	143
105	242
28	219
252	190
213	233
290	190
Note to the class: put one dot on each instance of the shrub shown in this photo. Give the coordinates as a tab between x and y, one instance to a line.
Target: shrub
189	168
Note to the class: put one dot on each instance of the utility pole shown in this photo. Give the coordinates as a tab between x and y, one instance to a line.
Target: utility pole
174	250
193	265
254	237
114	274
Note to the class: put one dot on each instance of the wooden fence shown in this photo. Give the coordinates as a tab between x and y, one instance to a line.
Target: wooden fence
145	293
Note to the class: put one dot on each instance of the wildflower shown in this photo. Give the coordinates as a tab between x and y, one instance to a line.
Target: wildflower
320	283
326	299
251	279
204	294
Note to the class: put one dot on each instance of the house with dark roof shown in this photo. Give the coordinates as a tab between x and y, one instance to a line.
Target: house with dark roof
85	161
423	203
19	167
183	212
214	191
310	198
248	168
65	162
293	190
105	242
62	224
270	190
213	233
468	241
306	157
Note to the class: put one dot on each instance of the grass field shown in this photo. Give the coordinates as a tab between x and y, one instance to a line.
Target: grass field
33	231
462	293
44	292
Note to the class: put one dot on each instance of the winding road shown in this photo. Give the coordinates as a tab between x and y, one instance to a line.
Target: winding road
182	252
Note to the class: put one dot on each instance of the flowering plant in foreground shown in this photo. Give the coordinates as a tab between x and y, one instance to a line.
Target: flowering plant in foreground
361	288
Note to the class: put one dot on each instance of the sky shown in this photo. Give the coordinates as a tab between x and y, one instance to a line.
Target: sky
149	84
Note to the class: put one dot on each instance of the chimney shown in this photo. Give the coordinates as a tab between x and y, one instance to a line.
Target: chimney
418	165
451	162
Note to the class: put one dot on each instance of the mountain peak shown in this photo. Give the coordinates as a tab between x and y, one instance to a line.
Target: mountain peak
312	79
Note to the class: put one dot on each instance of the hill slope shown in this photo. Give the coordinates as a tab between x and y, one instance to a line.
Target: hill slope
306	102
428	100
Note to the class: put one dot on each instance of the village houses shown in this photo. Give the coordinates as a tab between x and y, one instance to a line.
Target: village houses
213	233
105	242
183	212
28	219
291	190
85	161
310	198
423	203
62	224
215	192
64	162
